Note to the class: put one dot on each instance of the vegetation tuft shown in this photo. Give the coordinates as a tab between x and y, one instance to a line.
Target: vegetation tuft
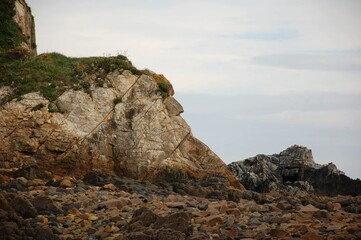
53	73
165	87
117	100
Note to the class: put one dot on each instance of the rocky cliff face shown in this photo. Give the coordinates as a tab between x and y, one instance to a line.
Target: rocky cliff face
76	116
295	170
126	128
18	28
24	18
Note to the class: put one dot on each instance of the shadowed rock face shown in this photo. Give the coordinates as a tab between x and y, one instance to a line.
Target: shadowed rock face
293	169
142	137
22	16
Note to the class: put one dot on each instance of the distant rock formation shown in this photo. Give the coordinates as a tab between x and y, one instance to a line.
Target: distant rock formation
293	169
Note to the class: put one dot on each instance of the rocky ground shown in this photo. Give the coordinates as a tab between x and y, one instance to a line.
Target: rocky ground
105	207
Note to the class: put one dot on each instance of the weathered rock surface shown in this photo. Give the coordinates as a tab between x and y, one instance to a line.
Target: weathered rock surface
295	170
142	136
24	18
20	41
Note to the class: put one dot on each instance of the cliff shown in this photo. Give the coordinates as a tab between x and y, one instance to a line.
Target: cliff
94	148
17	28
121	123
74	116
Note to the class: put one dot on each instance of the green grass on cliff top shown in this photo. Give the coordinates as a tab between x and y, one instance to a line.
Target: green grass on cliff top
53	73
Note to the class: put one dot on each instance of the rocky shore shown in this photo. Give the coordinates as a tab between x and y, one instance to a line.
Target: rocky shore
106	207
94	148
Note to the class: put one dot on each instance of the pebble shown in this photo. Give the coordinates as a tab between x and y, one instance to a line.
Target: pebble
66	183
80	211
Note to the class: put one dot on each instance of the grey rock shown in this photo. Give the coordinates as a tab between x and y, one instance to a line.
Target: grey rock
295	171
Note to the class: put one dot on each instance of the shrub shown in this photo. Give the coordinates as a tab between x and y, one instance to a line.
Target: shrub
164	87
50	92
117	100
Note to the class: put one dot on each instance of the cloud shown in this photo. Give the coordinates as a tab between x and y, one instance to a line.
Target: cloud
278	35
326	62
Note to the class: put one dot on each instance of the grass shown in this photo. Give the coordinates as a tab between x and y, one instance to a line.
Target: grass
53	73
165	87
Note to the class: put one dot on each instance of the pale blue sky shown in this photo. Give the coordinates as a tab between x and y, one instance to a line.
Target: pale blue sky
254	76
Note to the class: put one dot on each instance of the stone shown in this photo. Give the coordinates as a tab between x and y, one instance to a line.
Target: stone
41	219
308	208
173	106
114	203
214	220
311	236
336	206
66	183
178	205
45	233
22	206
283	205
110	186
202	207
45	204
169	234
178	221
92	217
279	233
23	180
234	212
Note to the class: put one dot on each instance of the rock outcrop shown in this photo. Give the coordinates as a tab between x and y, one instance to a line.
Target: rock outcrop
21	37
24	18
125	128
295	170
76	116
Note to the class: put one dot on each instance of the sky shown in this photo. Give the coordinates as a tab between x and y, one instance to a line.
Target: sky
254	76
